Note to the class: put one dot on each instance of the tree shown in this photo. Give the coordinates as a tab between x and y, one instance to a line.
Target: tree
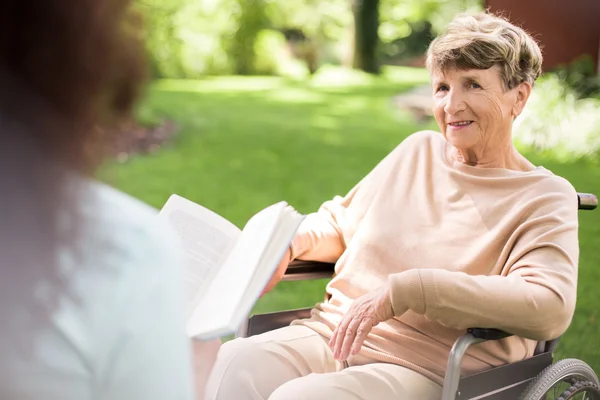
163	45
250	18
366	35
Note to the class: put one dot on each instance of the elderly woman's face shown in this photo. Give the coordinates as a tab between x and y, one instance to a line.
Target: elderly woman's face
472	108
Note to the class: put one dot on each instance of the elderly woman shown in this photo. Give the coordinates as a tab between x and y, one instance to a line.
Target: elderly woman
451	230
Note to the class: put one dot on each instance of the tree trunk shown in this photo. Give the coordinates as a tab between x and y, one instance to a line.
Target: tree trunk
250	20
366	36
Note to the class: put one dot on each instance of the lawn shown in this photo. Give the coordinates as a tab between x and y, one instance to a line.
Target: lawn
245	143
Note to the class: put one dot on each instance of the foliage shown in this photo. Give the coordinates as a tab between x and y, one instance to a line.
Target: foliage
407	27
322	20
192	38
165	45
248	142
250	18
406	47
581	77
556	120
397	16
267	52
188	38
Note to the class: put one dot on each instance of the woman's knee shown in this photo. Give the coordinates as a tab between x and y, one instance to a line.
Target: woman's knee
312	387
254	367
238	367
246	369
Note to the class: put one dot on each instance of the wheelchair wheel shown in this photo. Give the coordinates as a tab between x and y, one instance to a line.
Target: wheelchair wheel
567	379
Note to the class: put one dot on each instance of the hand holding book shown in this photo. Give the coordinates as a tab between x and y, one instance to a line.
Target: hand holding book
226	268
279	272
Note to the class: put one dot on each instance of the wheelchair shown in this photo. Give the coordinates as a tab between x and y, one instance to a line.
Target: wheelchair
535	378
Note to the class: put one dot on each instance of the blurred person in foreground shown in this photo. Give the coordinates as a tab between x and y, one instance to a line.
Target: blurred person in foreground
90	292
452	230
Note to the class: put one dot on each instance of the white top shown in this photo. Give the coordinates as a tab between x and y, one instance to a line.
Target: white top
116	327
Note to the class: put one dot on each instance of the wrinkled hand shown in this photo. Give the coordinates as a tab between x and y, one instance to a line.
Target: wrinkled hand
279	272
364	313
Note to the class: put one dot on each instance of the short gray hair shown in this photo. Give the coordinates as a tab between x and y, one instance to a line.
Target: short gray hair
483	40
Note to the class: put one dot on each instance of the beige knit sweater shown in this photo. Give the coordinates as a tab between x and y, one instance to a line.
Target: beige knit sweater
462	247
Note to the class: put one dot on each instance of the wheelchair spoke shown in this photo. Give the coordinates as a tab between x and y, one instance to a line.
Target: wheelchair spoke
585	396
557	390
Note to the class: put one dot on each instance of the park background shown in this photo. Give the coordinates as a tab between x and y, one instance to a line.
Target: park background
255	101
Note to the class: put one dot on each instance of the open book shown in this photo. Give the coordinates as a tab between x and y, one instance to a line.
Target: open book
226	269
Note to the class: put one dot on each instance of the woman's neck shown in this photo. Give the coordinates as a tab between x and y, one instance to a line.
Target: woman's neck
505	156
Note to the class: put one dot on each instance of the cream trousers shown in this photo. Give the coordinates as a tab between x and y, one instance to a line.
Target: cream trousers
295	363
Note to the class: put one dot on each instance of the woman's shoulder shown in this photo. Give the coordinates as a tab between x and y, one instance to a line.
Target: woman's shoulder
548	185
421	139
122	220
425	143
125	236
539	192
112	202
425	140
124	239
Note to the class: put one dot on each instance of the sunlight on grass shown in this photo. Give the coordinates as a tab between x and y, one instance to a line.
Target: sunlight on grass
328	77
340	77
326	122
406	74
222	84
295	95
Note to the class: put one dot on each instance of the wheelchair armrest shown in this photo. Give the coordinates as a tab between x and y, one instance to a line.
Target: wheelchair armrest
453	369
307	270
488	333
587	201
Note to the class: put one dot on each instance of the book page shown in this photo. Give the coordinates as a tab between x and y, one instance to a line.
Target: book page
207	240
223	302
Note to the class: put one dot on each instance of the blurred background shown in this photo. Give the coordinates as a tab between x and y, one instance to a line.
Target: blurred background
256	101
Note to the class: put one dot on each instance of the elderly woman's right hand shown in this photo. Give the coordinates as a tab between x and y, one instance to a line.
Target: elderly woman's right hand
279	272
364	313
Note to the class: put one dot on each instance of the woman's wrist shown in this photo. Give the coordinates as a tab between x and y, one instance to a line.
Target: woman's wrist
406	292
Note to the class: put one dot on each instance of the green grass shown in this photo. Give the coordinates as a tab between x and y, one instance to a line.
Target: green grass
245	143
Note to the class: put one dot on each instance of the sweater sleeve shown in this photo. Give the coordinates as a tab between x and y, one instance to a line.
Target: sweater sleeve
320	237
533	297
324	235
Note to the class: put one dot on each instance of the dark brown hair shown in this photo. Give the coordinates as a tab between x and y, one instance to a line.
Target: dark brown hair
82	63
68	70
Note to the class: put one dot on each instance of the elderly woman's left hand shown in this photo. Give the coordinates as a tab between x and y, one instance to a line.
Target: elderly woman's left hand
364	313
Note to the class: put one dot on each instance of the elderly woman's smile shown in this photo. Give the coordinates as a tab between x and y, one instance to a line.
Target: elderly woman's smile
459	124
